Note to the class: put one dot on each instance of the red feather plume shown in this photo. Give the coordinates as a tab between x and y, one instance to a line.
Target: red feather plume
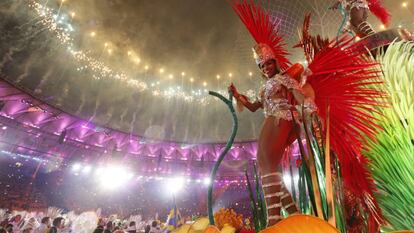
311	45
343	78
377	8
262	28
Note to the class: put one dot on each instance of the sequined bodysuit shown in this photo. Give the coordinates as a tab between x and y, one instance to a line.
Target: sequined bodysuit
274	97
349	4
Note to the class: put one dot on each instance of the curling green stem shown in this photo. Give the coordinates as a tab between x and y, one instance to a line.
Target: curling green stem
229	104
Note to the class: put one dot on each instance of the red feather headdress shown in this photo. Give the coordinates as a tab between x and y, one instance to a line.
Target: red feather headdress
377	8
264	31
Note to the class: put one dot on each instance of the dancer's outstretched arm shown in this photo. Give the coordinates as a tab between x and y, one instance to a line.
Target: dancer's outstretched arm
252	106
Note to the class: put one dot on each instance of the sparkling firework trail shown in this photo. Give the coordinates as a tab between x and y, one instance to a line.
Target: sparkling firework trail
61	27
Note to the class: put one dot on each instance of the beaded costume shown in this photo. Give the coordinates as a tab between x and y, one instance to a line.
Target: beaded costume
350	4
358	21
274	99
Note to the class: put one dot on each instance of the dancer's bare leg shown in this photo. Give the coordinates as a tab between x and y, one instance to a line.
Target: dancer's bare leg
287	202
272	144
359	22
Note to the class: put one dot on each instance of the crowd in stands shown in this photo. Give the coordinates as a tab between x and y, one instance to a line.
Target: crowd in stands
55	221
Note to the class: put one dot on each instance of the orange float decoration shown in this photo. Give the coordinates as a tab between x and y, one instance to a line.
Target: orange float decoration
301	224
211	229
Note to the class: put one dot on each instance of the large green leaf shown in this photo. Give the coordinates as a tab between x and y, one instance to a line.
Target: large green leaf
392	153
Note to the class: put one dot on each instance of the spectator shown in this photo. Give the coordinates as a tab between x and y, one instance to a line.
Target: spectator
4	223
27	230
30	225
16	221
101	223
155	228
132	227
109	227
58	225
9	228
44	225
98	230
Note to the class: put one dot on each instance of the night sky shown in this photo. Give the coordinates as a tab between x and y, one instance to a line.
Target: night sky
203	39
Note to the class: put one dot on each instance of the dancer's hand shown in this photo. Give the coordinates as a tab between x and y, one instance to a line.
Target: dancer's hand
406	35
232	89
286	106
304	77
307	72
